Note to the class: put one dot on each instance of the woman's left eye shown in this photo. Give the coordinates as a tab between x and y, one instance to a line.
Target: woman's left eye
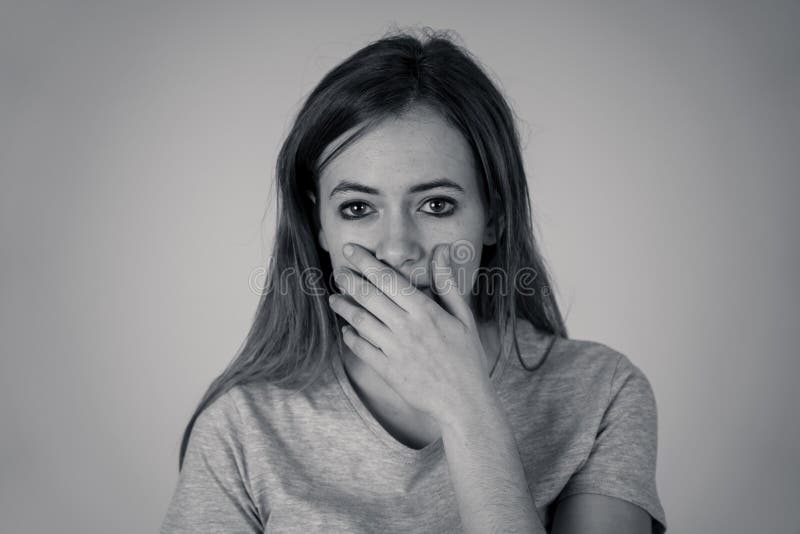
439	207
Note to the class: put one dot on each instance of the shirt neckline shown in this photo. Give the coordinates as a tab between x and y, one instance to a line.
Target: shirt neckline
400	450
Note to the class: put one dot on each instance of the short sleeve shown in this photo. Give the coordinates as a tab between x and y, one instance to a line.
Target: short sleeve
212	494
622	461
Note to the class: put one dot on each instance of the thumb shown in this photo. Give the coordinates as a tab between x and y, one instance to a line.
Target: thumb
445	285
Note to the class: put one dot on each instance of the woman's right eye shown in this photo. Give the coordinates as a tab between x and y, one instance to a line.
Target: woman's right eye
353	210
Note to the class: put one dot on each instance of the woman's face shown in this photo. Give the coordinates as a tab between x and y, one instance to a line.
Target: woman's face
402	188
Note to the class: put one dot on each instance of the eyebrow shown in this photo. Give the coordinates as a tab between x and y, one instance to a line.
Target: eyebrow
345	186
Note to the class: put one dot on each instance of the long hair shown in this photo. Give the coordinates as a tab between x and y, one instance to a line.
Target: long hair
293	329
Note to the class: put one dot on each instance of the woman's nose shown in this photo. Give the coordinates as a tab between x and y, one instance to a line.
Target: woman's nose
399	245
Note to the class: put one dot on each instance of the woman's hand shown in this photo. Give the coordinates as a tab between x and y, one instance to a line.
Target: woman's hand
431	356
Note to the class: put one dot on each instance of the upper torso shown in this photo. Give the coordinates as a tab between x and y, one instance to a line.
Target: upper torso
319	460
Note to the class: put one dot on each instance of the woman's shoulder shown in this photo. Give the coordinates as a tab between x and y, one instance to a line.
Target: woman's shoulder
571	360
259	400
581	386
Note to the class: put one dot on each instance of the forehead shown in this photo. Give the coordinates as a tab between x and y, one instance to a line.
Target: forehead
401	151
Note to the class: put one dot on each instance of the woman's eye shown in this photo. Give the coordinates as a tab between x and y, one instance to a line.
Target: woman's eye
353	210
438	207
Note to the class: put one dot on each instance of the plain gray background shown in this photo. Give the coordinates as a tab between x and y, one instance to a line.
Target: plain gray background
137	151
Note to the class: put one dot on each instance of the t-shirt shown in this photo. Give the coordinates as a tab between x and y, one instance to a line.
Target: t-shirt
265	459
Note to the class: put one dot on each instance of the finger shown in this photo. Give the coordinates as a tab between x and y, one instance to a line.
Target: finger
367	325
366	351
397	287
371	298
446	286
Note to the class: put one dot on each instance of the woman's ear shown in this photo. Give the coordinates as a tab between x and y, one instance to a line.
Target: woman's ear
494	229
323	242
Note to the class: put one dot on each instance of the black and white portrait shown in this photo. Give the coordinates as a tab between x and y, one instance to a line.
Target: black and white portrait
430	267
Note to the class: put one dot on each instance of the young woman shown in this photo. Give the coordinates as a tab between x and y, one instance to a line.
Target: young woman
408	369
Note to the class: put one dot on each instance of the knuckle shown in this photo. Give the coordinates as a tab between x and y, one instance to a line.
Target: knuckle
359	318
430	307
404	329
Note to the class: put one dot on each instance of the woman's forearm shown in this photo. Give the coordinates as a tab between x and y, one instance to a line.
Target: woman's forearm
486	471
